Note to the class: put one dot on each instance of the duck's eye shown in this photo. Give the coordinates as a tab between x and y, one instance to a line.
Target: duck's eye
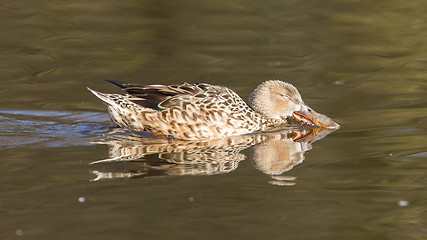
286	97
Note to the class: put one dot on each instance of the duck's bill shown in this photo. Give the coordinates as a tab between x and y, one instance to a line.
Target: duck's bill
311	117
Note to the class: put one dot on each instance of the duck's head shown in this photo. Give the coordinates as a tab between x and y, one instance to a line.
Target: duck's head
280	100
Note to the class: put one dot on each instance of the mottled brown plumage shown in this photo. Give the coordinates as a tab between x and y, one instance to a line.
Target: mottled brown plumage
204	111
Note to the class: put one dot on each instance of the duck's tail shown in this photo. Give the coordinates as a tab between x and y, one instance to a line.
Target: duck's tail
105	98
125	113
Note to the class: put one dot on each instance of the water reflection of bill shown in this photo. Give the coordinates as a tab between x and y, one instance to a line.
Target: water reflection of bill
272	153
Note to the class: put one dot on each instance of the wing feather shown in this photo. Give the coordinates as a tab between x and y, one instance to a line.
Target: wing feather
161	97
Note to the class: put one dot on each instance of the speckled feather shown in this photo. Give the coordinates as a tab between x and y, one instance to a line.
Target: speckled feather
187	111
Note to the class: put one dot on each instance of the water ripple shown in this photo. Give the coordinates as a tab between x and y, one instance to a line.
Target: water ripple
50	128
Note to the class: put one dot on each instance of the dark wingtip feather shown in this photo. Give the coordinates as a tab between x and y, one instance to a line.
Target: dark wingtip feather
117	83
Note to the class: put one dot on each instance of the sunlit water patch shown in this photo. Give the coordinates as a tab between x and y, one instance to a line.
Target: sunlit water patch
50	128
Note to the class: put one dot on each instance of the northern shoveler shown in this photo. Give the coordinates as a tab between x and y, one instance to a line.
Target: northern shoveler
204	111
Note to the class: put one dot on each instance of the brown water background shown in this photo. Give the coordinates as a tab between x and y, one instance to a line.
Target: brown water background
362	63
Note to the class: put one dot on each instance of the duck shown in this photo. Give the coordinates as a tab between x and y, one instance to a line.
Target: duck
202	111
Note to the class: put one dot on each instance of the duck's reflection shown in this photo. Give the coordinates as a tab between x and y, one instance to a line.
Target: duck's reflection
272	153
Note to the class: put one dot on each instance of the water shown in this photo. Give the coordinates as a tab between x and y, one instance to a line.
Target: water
361	63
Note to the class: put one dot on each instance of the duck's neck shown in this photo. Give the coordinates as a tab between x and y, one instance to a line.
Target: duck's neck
266	123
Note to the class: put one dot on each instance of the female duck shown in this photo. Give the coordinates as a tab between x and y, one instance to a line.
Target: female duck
204	111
